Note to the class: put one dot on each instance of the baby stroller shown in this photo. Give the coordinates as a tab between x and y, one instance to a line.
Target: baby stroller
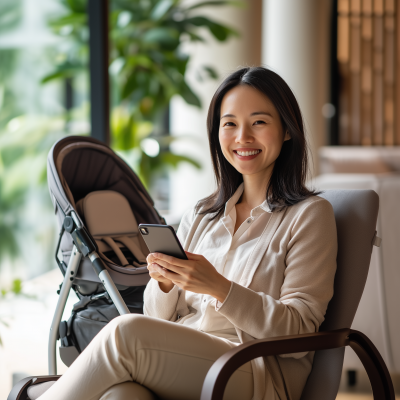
99	202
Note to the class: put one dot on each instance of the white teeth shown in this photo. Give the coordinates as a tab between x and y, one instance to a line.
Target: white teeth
248	153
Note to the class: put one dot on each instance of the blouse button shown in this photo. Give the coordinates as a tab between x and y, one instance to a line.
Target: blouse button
248	221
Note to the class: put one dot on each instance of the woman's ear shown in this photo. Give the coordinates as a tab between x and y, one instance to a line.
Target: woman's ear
287	136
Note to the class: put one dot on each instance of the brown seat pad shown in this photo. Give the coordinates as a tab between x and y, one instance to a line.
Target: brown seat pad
110	220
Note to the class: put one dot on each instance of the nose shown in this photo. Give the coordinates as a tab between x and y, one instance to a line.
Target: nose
243	136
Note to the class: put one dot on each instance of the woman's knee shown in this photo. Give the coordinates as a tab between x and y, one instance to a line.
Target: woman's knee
131	325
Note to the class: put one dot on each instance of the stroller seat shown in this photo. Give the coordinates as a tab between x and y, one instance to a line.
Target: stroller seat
111	222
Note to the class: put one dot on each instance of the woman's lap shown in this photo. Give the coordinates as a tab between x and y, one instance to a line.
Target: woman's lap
170	359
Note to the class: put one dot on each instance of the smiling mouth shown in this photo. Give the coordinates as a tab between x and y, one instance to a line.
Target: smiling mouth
247	153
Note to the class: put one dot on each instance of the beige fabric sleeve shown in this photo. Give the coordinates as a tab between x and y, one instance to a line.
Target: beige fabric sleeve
172	305
307	287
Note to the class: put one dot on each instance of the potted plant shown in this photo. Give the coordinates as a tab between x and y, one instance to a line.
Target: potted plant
147	68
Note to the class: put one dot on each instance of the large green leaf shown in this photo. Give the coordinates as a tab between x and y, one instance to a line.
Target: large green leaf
162	36
219	31
64	71
175	159
73	19
210	71
160	9
189	96
76	5
216	3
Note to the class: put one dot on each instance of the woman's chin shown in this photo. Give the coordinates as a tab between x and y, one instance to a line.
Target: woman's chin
250	171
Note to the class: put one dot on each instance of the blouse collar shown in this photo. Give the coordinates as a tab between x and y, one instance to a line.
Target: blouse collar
263	207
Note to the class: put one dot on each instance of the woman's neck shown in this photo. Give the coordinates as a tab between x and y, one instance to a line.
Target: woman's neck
255	189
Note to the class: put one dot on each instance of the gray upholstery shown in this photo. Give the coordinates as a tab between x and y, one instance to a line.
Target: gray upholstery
356	213
377	315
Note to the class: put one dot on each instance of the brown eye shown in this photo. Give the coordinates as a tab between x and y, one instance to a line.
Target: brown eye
259	122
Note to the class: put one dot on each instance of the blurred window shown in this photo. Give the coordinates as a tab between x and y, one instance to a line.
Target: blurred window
33	115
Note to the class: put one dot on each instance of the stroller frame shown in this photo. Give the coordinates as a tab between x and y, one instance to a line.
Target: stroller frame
84	246
78	166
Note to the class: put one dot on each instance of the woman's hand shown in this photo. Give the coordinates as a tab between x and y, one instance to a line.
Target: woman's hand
196	274
165	284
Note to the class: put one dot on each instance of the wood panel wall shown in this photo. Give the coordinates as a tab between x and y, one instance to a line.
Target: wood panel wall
368	53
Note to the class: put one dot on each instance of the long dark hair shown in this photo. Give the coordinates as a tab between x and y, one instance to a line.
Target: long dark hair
287	184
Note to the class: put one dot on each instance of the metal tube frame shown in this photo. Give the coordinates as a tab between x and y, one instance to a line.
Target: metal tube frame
84	246
108	283
72	269
113	292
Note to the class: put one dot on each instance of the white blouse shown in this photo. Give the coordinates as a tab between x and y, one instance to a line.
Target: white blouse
228	253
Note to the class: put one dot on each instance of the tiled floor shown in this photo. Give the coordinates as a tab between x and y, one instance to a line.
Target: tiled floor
362	391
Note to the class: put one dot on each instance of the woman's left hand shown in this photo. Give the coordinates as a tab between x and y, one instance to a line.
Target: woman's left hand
196	274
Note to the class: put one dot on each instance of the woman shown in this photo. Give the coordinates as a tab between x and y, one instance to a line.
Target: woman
262	259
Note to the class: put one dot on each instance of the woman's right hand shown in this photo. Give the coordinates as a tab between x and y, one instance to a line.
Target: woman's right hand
165	284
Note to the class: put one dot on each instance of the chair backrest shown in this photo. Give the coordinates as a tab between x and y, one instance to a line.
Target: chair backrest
356	213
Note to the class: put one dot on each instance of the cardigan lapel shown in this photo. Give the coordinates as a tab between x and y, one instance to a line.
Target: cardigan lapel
198	229
261	247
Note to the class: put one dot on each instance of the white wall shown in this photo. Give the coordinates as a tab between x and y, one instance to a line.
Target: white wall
188	185
296	45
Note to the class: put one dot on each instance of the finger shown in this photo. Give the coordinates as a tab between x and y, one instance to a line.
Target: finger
151	267
172	276
150	258
170	267
169	259
157	268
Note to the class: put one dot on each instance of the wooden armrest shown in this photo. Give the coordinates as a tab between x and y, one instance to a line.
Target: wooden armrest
220	372
18	392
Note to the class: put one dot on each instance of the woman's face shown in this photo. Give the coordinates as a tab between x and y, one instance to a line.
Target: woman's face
250	131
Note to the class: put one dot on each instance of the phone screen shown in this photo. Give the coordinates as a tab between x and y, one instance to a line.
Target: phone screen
162	239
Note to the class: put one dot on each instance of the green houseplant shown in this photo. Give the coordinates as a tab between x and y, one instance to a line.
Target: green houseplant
147	68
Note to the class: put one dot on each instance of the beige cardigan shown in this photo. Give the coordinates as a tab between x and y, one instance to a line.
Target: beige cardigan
284	290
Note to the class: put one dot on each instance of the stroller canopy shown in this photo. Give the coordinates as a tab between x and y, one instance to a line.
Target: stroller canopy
80	165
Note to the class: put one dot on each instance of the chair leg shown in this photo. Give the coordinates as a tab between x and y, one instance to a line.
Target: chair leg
381	382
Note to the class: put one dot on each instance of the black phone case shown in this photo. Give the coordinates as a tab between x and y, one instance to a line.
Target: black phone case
163	239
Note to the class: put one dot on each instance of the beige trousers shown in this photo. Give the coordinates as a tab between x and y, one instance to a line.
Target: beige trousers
135	352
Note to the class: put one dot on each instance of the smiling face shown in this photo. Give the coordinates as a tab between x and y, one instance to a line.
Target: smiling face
250	131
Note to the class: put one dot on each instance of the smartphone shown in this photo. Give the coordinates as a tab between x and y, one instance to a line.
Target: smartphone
162	239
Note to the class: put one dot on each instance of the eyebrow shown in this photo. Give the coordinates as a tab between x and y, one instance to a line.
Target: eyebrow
254	113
